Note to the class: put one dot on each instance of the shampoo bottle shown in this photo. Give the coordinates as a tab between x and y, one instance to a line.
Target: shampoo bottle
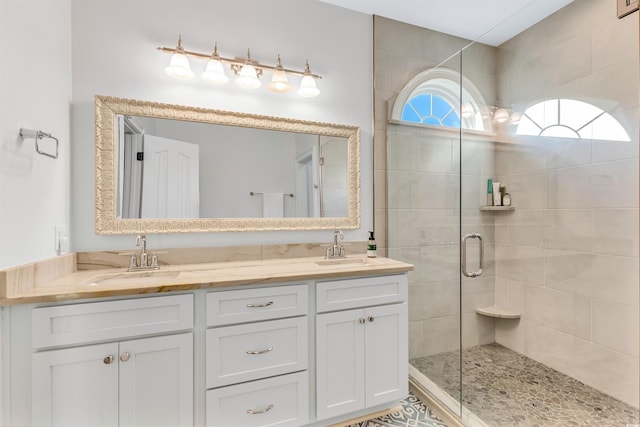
490	192
372	247
497	200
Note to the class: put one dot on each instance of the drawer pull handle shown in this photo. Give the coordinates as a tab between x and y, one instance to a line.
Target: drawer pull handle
266	304
362	320
267	409
370	318
266	350
108	360
125	356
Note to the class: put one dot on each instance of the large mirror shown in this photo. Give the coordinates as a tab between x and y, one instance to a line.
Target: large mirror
164	168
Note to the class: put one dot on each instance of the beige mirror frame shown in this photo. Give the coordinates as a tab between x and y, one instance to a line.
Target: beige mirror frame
106	109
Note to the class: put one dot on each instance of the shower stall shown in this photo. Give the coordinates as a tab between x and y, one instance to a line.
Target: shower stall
525	314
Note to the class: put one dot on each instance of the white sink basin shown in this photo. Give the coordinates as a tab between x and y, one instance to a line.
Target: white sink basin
343	261
128	276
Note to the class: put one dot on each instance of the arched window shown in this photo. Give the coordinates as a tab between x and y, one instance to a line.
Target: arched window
569	118
430	109
433	98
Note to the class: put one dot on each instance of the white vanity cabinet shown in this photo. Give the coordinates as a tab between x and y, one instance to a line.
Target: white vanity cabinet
127	382
361	349
298	353
256	371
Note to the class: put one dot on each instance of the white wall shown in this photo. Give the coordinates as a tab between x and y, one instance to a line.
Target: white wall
114	54
35	92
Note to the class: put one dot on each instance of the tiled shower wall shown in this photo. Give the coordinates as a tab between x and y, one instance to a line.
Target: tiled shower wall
567	257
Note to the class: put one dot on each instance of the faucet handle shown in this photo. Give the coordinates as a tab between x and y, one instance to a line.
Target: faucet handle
133	262
140	239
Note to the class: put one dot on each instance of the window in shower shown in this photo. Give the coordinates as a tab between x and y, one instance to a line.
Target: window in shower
430	109
570	118
433	97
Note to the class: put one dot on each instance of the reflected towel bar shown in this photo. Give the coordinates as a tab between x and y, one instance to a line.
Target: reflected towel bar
253	193
37	135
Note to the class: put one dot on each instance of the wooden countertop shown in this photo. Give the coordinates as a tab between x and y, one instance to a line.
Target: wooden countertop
117	281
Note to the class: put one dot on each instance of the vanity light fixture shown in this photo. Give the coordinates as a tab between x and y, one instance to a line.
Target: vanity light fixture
179	67
214	73
248	71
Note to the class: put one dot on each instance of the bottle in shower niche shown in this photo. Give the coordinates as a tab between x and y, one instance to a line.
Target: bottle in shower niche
371	246
490	192
497	199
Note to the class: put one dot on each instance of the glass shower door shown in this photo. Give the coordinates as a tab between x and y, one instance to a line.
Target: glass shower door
424	226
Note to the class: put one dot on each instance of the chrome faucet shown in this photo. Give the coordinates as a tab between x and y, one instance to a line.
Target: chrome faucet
141	241
336	250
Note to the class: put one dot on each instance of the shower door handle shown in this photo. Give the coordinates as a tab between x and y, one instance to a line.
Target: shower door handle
464	255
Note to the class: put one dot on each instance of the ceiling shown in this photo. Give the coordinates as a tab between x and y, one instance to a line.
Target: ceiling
497	20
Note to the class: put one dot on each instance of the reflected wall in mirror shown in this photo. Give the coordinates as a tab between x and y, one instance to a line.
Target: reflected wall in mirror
171	168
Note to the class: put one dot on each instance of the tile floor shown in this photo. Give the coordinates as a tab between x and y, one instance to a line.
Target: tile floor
505	388
414	414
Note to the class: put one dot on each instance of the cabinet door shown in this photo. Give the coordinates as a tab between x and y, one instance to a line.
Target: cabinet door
340	362
156	381
75	387
387	354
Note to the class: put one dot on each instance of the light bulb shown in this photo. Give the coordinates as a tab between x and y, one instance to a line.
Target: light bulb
248	78
501	115
308	87
214	73
279	81
179	67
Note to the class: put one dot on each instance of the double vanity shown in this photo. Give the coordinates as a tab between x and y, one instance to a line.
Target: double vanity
295	341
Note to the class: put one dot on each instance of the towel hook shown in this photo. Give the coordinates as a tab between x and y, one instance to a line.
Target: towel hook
37	135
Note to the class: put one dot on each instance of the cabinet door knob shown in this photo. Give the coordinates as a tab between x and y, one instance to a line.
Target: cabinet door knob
108	360
262	411
362	320
370	318
125	356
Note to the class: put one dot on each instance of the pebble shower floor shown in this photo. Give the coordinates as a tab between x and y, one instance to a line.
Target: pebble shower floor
505	388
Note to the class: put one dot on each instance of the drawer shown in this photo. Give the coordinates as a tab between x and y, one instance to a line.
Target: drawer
257	350
363	292
98	321
279	401
250	305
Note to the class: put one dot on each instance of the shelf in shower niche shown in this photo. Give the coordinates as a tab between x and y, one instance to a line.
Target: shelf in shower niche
499	312
497	208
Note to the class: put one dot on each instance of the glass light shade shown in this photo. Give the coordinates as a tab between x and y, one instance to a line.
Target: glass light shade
515	117
214	73
248	78
501	115
279	82
308	87
179	67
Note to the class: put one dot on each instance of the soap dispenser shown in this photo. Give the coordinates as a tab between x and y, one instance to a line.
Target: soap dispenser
372	247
